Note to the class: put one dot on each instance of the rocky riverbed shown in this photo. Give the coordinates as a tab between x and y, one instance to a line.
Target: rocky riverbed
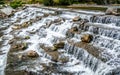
55	41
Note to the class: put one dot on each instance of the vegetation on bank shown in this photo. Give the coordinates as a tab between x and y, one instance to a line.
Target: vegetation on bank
18	3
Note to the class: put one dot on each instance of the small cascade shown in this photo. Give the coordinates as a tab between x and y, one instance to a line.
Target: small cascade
105	19
111	32
87	59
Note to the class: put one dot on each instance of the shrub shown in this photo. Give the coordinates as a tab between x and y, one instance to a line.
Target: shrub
16	3
65	2
56	2
1	1
39	1
48	2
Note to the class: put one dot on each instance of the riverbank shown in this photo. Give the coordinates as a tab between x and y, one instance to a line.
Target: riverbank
93	7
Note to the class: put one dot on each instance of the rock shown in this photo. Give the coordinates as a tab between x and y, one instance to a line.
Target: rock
57	20
74	29
7	10
16	27
49	49
25	24
38	18
112	11
76	18
2	15
59	45
115	71
54	55
1	34
18	46
32	54
63	59
53	48
87	38
46	14
58	12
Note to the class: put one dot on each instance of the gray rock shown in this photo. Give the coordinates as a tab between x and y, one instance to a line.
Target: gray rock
112	11
7	10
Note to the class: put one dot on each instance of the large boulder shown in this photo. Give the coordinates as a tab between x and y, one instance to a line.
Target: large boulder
87	38
2	15
112	11
7	10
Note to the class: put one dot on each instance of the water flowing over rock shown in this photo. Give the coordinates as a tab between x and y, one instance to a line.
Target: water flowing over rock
47	41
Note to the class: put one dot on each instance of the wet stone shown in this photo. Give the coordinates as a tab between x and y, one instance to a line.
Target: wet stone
59	45
32	54
77	18
112	11
16	27
87	38
18	46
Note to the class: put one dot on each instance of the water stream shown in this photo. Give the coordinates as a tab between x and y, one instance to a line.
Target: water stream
47	27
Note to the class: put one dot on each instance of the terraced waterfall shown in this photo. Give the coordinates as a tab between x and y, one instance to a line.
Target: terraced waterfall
47	41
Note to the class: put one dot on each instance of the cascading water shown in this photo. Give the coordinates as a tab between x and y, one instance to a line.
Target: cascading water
41	28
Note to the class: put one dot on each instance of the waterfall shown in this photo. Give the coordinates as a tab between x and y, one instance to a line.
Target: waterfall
48	27
88	60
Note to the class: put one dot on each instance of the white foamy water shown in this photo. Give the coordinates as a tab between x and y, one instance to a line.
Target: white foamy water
80	61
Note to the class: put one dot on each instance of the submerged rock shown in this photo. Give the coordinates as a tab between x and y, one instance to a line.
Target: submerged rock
87	38
83	21
114	72
46	14
27	37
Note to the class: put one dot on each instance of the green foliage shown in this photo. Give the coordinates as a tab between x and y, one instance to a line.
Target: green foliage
1	2
39	1
35	1
16	3
48	2
57	2
65	2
